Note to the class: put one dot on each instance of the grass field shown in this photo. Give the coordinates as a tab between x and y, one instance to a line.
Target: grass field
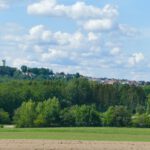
91	134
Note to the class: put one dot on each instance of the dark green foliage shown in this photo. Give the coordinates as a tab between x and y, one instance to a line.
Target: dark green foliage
67	118
148	104
78	91
4	117
83	115
141	120
86	115
7	71
131	96
24	69
10	73
140	109
117	116
70	92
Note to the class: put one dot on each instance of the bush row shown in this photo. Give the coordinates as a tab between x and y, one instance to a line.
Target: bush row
50	114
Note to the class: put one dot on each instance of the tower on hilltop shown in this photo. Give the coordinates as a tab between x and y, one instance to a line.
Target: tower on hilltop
4	62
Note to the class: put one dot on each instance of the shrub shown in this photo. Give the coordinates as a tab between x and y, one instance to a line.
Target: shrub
4	117
116	116
141	120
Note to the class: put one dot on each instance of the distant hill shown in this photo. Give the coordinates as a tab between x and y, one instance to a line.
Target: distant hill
25	72
28	73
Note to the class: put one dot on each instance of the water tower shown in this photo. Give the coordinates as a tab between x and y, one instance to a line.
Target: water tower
4	62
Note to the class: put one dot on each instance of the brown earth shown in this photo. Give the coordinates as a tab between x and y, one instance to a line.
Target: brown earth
70	145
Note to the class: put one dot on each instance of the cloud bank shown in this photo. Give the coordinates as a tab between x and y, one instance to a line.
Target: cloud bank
95	47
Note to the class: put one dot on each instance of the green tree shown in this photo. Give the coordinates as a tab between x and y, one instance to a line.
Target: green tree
4	117
24	69
140	109
48	113
141	120
25	115
131	96
67	117
86	115
148	104
116	116
78	91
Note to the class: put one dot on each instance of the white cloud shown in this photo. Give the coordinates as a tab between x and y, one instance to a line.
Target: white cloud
54	54
61	38
11	38
95	47
110	11
20	61
78	36
43	46
81	10
41	34
49	46
136	58
89	17
115	51
4	4
98	25
78	10
45	7
36	32
92	36
127	30
38	49
86	52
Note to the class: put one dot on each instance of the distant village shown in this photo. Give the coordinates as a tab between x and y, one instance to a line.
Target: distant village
119	81
62	75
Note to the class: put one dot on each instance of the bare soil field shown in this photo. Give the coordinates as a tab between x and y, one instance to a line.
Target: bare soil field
71	145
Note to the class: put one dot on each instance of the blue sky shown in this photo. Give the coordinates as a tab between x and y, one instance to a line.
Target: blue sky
106	38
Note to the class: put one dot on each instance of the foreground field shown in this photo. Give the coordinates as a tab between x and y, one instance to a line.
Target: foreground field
84	134
70	145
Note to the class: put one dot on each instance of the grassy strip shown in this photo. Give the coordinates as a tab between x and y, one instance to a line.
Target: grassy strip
91	134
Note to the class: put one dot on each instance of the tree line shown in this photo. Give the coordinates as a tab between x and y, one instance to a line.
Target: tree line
50	114
74	102
25	72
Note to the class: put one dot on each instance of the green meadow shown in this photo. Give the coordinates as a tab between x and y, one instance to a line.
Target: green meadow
90	134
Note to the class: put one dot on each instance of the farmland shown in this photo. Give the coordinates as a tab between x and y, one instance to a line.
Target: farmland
86	134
